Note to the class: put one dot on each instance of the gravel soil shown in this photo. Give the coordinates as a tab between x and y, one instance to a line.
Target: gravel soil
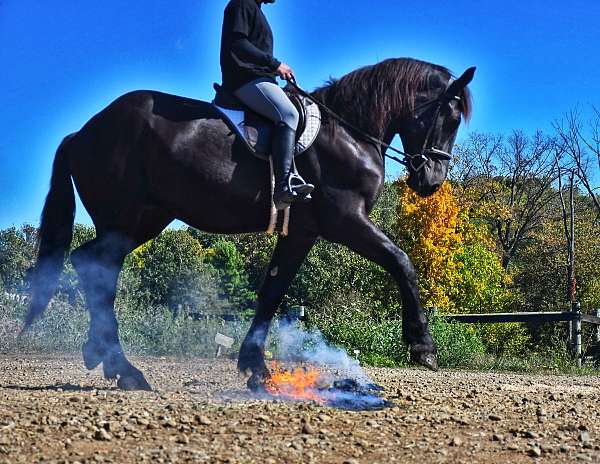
53	410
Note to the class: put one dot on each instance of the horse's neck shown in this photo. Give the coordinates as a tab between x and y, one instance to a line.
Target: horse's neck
367	125
389	135
373	150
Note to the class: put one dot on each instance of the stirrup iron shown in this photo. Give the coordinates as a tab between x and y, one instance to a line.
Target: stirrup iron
298	185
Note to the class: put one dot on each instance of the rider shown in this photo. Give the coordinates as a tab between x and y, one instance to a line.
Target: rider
249	71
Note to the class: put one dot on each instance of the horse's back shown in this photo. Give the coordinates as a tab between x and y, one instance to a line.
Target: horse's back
152	149
177	108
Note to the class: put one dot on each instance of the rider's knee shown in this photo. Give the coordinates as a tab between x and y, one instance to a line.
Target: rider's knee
290	117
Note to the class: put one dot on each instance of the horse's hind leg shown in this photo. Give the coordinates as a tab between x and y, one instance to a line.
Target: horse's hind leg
285	262
98	264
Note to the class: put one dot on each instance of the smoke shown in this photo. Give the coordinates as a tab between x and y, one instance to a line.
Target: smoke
353	389
300	345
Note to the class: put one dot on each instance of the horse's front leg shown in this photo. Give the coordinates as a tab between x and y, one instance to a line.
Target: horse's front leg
360	235
285	262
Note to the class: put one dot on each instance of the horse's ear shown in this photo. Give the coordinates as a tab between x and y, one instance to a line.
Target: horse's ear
459	84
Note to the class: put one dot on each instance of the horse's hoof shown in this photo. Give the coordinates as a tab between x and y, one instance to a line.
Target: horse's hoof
428	360
133	382
256	382
109	370
116	363
92	355
251	359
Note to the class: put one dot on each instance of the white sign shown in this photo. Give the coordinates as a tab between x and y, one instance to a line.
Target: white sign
223	340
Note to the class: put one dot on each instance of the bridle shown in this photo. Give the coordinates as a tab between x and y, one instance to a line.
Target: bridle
414	161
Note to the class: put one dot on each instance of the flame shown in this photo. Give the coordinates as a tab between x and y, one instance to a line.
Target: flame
297	384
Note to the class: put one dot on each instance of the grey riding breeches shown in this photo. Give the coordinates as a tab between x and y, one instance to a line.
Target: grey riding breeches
270	101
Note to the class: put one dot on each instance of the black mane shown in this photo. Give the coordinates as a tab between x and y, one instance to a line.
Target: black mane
368	96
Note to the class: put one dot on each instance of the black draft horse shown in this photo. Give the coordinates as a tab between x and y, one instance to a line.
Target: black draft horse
149	158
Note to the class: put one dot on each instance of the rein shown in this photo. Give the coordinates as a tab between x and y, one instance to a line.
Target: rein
408	158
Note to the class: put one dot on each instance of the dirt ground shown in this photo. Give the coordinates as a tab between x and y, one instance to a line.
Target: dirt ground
53	410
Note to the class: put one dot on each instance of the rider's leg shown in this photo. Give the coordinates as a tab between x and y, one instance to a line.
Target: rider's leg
284	140
269	100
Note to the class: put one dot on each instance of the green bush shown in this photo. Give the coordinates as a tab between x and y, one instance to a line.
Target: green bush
379	344
158	331
457	344
155	331
380	341
506	339
62	329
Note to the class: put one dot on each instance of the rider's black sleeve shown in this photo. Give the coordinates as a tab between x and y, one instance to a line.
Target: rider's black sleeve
244	49
249	35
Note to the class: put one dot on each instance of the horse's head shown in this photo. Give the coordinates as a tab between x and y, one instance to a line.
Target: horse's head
429	131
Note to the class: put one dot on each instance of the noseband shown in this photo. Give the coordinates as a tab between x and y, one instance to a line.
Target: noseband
414	161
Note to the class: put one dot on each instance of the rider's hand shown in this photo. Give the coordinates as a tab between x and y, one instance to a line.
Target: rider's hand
285	72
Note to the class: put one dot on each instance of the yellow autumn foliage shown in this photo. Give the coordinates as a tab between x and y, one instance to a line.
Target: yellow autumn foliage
456	262
430	230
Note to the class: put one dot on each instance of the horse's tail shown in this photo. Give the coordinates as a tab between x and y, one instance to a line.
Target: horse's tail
54	236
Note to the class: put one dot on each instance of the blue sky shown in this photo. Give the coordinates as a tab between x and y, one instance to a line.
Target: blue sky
62	62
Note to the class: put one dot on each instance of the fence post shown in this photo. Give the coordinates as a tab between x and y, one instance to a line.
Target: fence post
597	334
576	308
570	340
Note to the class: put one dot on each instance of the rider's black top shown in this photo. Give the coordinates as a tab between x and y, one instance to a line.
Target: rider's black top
246	45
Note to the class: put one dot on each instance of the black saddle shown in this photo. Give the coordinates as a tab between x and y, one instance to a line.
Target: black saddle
256	130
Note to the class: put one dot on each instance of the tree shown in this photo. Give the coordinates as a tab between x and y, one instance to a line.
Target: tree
234	285
508	183
17	256
581	150
455	258
428	231
569	230
540	266
172	272
254	249
384	213
332	271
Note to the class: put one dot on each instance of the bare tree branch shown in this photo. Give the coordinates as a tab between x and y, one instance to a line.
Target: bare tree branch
574	143
510	186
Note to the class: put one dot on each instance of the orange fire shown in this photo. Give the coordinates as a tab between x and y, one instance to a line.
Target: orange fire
297	384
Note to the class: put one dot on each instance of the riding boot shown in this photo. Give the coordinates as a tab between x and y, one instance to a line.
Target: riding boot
288	187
